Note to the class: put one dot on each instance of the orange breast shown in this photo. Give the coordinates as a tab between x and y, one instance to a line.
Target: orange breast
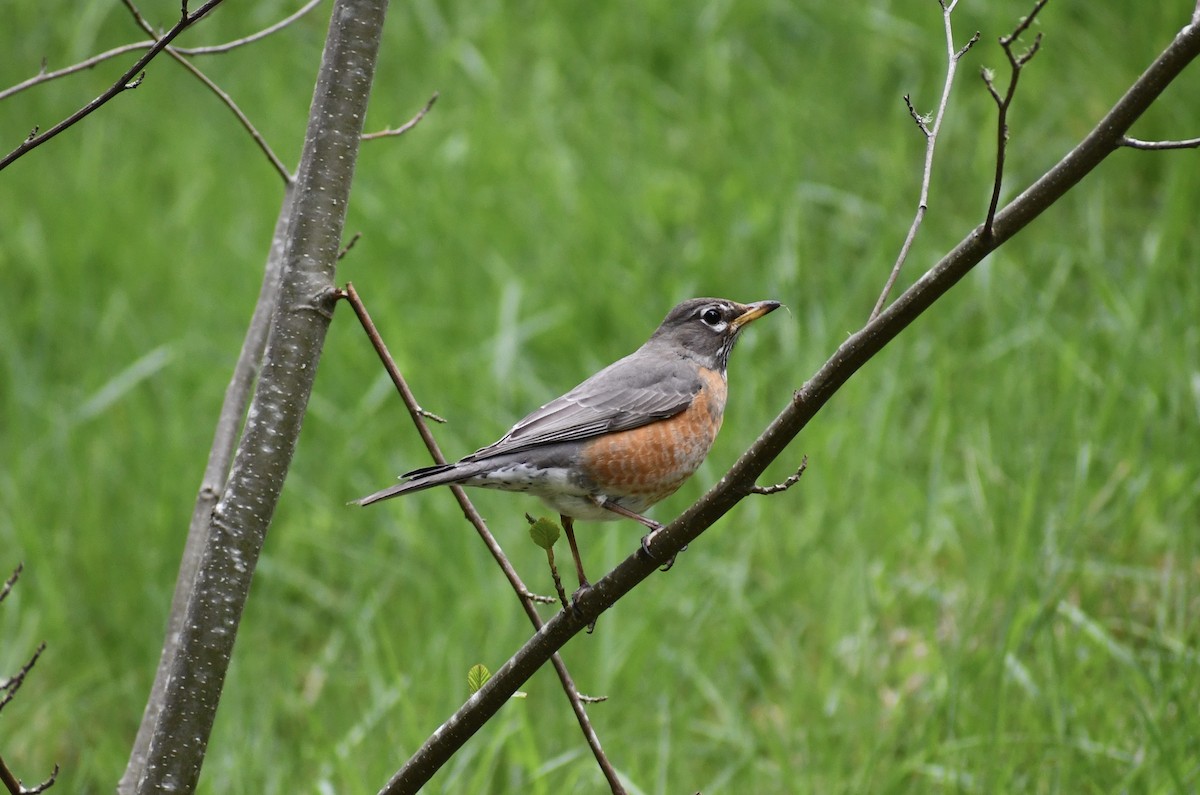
652	461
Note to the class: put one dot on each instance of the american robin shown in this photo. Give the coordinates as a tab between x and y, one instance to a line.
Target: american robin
625	438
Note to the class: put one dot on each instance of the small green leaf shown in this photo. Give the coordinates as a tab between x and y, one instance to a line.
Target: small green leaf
544	532
477	676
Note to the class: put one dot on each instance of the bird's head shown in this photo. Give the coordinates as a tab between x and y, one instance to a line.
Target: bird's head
705	329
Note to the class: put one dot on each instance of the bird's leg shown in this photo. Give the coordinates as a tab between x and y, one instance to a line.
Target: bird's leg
649	523
621	510
568	524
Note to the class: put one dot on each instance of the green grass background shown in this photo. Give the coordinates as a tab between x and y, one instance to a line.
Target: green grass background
987	581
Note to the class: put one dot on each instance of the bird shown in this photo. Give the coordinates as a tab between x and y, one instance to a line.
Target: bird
624	439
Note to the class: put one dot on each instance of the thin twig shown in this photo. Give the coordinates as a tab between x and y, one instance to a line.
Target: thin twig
11	581
349	245
1138	143
953	56
242	118
408	125
541	599
11	685
477	521
1016	62
14	785
216	49
126	82
791	480
221	94
44	77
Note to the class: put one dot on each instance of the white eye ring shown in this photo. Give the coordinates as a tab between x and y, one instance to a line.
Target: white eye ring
711	316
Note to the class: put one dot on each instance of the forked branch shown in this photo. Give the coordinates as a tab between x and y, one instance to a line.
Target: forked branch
15	786
44	76
8	690
220	93
1016	62
930	131
129	80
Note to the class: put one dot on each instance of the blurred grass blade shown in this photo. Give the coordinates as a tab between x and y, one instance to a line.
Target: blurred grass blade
124	382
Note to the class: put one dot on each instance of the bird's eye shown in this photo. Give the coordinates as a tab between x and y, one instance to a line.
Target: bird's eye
711	316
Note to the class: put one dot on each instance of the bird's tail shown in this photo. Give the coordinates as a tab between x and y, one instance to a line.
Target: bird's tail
417	480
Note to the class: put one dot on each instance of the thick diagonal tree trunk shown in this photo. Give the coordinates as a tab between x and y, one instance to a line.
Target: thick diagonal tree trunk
220	562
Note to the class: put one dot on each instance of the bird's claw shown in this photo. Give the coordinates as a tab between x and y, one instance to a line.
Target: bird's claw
644	551
583	588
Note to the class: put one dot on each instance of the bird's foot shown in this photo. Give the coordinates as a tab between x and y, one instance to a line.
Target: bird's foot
644	550
583	588
671	561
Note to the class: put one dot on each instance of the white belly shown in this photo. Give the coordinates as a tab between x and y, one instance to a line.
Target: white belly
558	490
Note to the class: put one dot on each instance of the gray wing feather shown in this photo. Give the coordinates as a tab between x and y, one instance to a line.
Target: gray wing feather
624	395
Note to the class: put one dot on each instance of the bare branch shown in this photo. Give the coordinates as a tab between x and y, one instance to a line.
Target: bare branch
212	484
221	94
1137	143
11	581
349	245
921	119
953	56
850	356
16	787
1016	63
539	598
1022	26
216	49
791	480
477	521
124	83
242	118
11	685
44	77
217	585
408	125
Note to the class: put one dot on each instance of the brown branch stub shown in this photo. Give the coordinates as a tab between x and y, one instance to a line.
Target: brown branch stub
541	599
408	125
791	480
1159	146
